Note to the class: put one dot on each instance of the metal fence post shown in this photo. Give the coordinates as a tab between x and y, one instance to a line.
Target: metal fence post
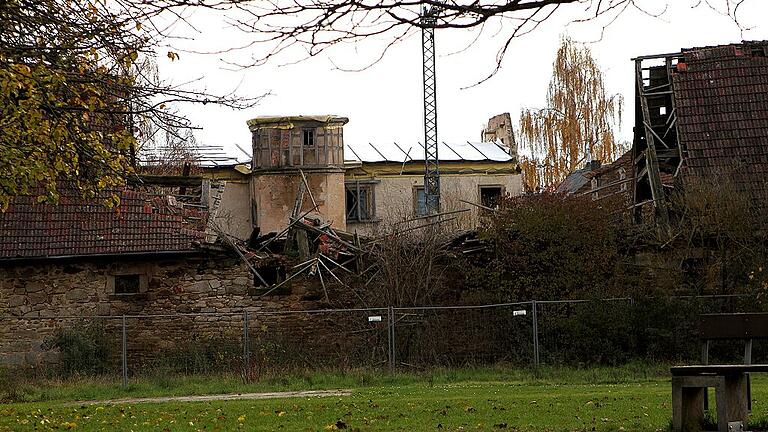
125	354
391	337
246	342
535	333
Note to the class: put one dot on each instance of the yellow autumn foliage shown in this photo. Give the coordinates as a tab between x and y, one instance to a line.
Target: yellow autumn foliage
577	123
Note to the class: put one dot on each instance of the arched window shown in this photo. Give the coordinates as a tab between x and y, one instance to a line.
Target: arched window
622	177
595	183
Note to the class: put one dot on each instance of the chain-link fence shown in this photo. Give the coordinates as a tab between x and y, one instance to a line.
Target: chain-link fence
253	343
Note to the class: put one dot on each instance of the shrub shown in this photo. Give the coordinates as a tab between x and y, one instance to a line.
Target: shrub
202	355
11	388
548	246
85	349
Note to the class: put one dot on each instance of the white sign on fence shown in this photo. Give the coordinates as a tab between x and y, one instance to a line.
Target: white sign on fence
519	312
375	318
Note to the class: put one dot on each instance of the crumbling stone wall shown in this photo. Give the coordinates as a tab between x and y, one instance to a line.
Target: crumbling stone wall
499	128
213	292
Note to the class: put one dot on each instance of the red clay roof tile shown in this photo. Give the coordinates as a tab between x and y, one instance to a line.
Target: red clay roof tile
80	227
721	99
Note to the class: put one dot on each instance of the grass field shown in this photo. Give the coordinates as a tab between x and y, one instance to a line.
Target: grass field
633	398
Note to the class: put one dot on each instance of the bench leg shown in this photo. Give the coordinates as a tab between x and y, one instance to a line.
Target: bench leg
736	404
687	406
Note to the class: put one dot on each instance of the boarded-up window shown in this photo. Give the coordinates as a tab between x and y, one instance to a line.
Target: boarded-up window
622	177
594	184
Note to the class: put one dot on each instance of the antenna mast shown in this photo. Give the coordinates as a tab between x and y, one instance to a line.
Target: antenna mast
432	168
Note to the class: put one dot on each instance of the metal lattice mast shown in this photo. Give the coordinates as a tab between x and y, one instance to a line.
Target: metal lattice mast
432	168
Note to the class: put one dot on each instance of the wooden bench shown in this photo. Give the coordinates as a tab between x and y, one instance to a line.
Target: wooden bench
731	382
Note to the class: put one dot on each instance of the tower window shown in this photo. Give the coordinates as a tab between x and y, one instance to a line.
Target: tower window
308	137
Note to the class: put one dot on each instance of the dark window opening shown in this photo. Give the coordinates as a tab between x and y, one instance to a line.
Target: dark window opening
308	137
359	202
127	284
271	274
490	196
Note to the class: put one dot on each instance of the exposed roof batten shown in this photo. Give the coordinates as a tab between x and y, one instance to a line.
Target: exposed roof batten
474	152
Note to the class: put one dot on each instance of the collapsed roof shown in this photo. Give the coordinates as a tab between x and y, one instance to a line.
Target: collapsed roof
702	117
79	226
721	98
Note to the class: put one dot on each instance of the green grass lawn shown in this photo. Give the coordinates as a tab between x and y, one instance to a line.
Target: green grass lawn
632	398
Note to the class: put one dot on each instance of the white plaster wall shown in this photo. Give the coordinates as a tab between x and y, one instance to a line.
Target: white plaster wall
394	198
234	213
275	196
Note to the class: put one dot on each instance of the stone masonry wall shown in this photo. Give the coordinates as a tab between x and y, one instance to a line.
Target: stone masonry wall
499	128
38	299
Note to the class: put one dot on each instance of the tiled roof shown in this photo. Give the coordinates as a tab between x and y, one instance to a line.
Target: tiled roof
721	98
574	182
81	227
623	161
606	171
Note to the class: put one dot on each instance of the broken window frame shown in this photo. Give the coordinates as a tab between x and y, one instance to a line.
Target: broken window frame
272	274
480	189
356	187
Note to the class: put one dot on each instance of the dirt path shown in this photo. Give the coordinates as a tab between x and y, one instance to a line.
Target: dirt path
220	397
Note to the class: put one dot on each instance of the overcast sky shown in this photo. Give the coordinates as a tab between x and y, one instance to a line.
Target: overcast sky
384	103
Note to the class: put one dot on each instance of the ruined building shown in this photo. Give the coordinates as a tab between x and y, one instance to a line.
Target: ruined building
499	129
284	150
177	243
385	183
701	115
360	187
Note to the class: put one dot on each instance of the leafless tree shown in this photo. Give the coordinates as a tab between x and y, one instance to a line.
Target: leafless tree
311	27
408	264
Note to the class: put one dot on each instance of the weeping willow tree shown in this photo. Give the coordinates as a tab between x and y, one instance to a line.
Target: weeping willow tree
577	124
